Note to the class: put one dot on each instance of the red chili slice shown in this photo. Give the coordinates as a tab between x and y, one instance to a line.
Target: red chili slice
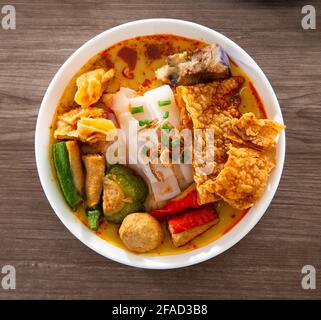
178	205
191	219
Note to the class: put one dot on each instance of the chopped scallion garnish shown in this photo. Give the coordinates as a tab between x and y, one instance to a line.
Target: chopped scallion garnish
144	122
166	127
166	115
138	109
164	102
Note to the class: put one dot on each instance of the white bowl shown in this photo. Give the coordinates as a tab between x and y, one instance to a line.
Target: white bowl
54	92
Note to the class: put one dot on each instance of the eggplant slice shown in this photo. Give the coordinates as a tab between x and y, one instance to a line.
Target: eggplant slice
200	66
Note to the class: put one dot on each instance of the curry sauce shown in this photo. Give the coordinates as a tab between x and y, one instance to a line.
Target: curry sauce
135	61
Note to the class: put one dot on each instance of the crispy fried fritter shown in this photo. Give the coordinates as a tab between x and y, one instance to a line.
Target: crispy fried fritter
256	133
67	122
204	101
243	178
210	106
91	86
244	147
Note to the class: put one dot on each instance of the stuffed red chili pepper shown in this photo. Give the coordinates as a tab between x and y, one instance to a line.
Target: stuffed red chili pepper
187	201
188	225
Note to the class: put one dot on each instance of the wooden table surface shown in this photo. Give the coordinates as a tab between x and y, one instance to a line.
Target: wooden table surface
267	263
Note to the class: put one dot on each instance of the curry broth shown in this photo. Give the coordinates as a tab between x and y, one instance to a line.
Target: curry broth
151	54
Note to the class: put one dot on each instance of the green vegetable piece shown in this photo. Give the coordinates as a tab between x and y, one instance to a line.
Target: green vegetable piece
128	208
93	217
138	109
144	122
166	115
166	127
133	186
164	102
64	174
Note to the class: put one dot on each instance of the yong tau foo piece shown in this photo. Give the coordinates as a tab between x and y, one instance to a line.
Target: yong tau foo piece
140	232
203	102
202	65
94	130
244	177
190	224
76	165
66	167
257	133
95	171
67	122
124	192
210	106
91	86
186	200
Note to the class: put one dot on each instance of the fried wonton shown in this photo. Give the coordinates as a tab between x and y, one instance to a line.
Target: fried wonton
91	86
244	177
256	133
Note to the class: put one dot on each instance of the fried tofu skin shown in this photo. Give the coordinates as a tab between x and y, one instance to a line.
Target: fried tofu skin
256	133
91	86
204	101
71	117
76	165
210	106
67	122
88	125
94	130
244	177
95	172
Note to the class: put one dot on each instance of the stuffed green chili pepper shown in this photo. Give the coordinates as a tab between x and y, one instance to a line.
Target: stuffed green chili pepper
124	193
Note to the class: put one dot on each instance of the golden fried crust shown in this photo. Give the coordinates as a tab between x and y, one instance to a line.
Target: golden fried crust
212	106
95	172
67	122
140	232
256	133
91	86
204	101
243	178
239	175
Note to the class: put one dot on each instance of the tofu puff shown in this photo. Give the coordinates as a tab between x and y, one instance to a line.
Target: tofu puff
95	166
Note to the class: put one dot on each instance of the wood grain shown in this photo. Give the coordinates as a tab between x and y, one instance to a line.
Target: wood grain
267	263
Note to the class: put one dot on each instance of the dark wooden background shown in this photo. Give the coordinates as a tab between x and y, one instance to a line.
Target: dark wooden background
267	263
